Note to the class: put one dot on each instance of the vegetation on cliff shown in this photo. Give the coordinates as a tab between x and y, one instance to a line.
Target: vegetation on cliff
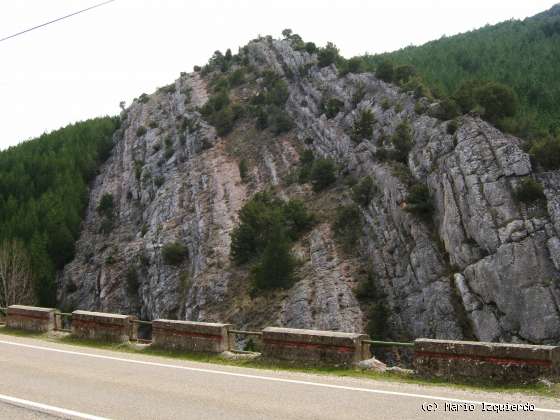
44	192
521	55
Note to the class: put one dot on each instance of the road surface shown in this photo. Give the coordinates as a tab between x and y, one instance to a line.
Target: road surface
41	379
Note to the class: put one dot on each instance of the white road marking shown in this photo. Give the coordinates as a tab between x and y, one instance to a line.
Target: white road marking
264	378
47	408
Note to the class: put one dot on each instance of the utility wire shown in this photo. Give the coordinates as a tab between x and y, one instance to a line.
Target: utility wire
56	20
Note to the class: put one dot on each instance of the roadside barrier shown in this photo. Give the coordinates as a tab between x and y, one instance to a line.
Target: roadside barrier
30	318
101	326
496	362
314	346
62	321
3	312
191	336
252	346
144	326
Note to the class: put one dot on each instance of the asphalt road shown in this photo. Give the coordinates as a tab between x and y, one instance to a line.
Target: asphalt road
39	377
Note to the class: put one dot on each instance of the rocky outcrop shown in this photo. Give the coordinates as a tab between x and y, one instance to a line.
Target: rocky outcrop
487	267
192	194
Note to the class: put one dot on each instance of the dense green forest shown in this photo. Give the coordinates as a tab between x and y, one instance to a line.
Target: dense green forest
44	192
524	55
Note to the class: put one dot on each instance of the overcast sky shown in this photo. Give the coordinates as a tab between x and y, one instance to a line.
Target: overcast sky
84	66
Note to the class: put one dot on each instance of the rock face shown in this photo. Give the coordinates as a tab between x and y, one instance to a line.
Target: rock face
486	268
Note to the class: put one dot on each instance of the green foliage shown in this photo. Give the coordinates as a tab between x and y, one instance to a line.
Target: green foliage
215	103
363	125
417	86
419	108
353	65
359	94
237	77
497	100
250	345
243	170
347	226
378	316
366	289
159	180
403	73
529	191
297	219
106	205
306	164
219	62
402	141
277	92
385	71
132	282
138	165
546	152
377	312
519	54
364	191
310	47
268	105
44	193
385	104
419	202
465	95
220	113
287	33
452	126
141	131
448	109
323	174
331	107
328	55
174	253
275	268
223	120
262	219
279	120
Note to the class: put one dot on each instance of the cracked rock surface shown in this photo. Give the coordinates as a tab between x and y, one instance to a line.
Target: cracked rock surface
487	268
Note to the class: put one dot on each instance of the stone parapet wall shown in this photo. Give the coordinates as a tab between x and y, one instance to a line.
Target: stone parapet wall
323	347
101	326
495	362
30	318
191	336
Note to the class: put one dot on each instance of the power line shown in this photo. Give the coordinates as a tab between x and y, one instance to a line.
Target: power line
56	20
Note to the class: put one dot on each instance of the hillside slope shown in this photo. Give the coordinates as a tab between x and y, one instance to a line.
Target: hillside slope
43	194
522	54
480	265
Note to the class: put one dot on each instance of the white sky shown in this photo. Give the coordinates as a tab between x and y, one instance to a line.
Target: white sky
84	66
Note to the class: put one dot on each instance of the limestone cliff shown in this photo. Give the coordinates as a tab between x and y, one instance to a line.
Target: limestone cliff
487	267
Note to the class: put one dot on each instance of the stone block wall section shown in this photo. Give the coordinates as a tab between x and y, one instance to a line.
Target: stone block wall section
30	318
314	346
101	326
496	362
451	360
191	336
